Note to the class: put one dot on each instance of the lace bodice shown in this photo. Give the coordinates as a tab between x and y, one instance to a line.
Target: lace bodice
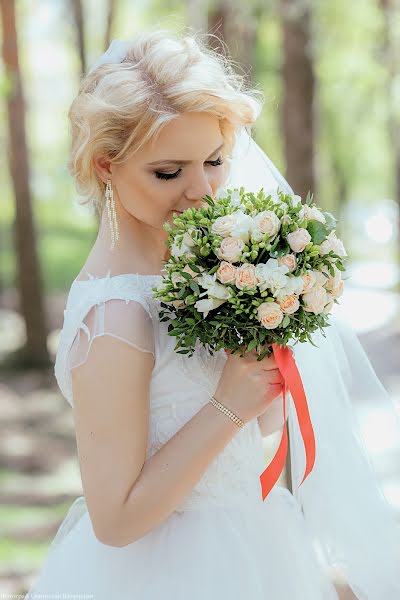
179	387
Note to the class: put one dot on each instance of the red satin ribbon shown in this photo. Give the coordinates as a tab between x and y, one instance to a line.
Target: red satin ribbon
288	368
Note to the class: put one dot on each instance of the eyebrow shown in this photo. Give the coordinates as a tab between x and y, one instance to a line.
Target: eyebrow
180	162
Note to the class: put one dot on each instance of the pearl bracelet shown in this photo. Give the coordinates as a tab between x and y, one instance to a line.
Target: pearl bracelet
227	412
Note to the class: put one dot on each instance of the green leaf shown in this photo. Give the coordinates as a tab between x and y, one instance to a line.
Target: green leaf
175	332
187	276
318	231
251	345
279	251
182	292
330	221
195	286
286	321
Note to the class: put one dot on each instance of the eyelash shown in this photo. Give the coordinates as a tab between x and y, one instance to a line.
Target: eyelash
160	175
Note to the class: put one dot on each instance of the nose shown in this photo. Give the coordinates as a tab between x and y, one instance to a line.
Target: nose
198	186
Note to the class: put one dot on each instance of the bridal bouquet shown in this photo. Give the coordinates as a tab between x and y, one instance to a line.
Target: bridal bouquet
253	272
250	270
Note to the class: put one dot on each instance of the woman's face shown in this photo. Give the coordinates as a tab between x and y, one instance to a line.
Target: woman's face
174	171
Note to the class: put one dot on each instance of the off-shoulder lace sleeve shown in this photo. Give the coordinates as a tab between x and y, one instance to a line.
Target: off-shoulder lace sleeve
126	320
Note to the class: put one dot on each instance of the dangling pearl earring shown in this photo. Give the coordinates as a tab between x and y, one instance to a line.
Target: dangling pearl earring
112	215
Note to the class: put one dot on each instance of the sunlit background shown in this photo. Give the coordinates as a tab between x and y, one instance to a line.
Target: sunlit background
330	72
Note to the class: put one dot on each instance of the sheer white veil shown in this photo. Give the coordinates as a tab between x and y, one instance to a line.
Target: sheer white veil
349	518
352	524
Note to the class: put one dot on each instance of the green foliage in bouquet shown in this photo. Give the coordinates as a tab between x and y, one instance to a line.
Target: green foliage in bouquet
247	270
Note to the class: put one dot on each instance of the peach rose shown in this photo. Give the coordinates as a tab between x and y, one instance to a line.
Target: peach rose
231	249
309	280
270	314
335	286
299	239
329	306
246	277
290	304
289	261
226	272
315	300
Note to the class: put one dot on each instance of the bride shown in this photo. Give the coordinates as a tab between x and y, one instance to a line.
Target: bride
171	506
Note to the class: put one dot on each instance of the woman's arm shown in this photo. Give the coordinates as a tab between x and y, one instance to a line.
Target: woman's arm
126	495
272	419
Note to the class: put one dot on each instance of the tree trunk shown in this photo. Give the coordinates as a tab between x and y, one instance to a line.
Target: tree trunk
77	12
236	25
391	14
196	15
298	96
109	22
28	270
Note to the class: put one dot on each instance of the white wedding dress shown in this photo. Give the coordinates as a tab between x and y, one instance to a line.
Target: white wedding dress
223	541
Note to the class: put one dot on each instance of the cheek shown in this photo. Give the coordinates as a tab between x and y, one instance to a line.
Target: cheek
217	177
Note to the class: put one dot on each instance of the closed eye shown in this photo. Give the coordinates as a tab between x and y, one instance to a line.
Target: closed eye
161	175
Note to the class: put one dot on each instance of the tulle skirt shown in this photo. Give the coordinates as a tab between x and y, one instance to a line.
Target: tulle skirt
256	551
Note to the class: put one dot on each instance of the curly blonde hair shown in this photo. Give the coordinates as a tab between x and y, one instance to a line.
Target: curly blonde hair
119	107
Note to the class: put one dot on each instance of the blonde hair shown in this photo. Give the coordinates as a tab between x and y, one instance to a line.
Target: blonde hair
119	107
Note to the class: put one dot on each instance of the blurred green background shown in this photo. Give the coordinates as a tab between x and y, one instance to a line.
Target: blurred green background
330	72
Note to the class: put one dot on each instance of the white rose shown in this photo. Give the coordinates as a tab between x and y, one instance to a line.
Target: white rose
299	239
294	285
315	300
277	282
231	249
289	260
223	225
333	243
204	306
270	314
242	225
271	274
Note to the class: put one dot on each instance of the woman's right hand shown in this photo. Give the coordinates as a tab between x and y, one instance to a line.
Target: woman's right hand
247	386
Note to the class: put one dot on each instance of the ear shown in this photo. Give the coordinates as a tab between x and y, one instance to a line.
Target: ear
102	164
